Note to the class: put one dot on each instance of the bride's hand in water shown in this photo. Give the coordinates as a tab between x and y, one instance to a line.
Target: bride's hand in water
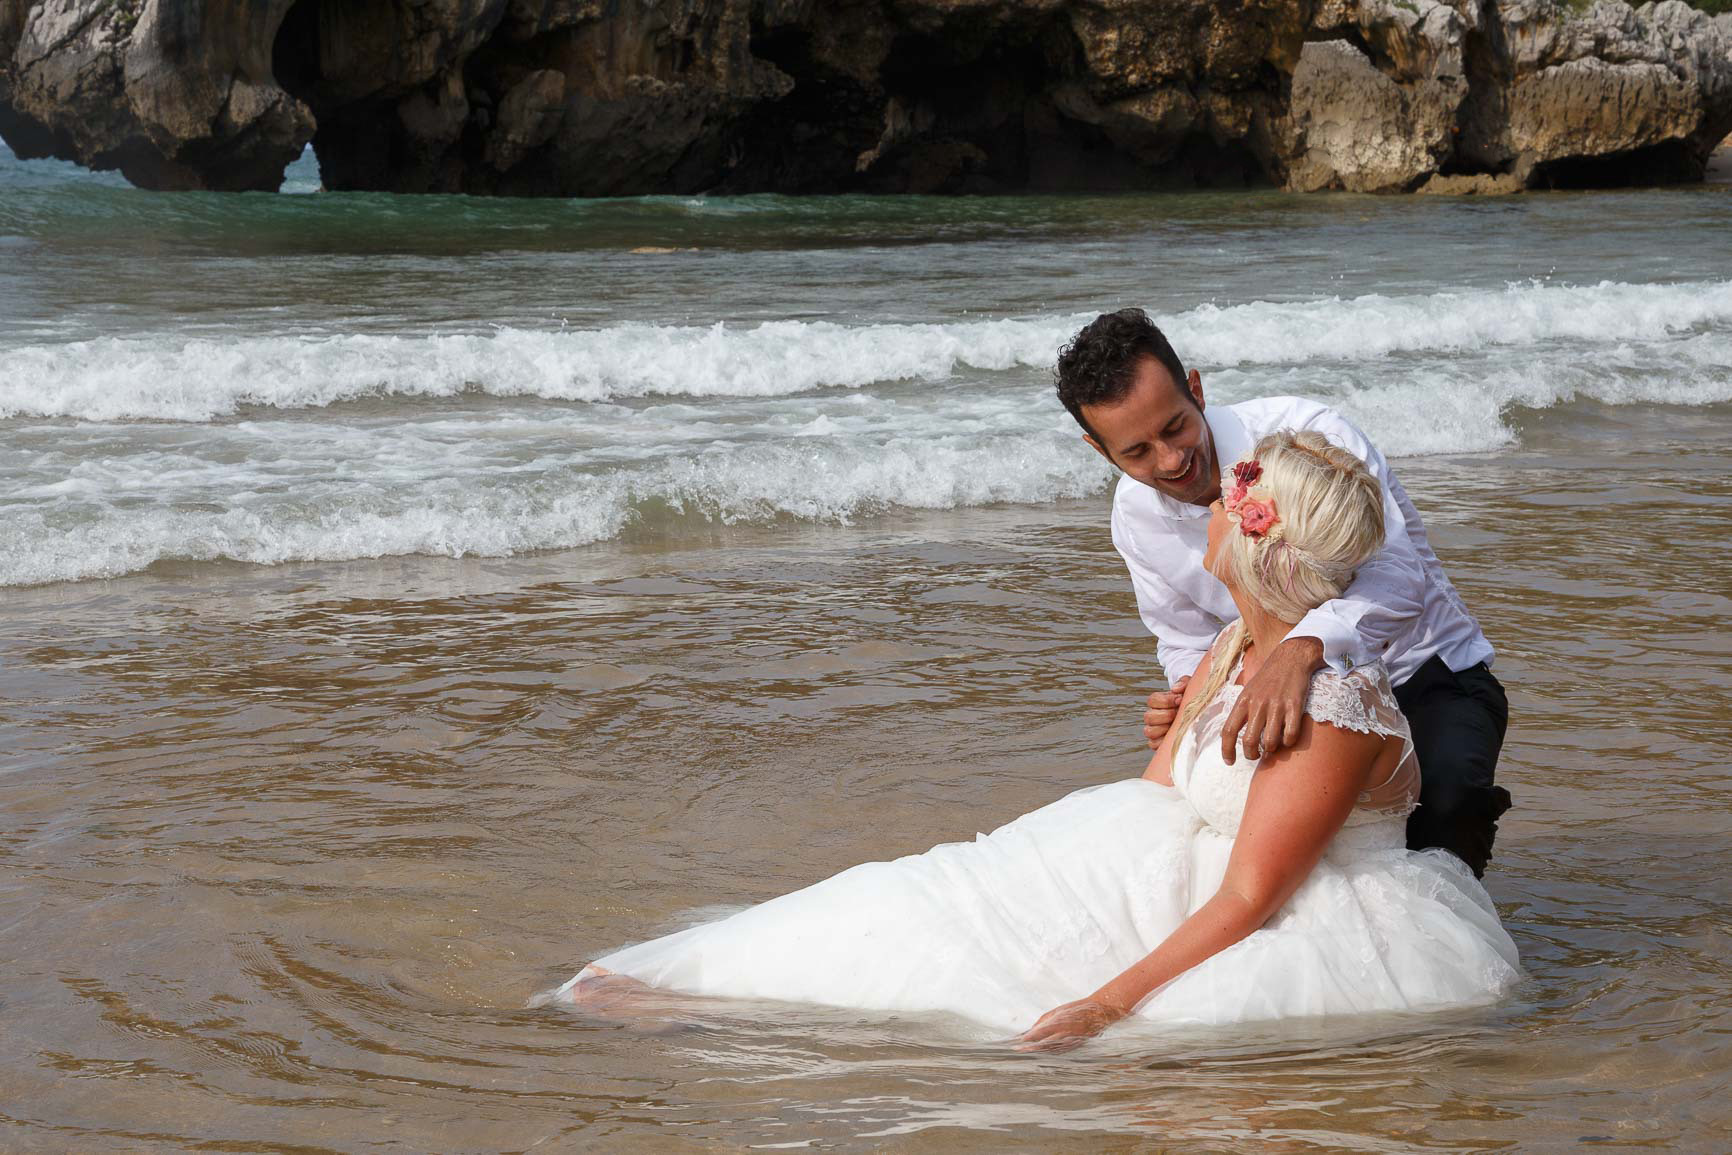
1069	1026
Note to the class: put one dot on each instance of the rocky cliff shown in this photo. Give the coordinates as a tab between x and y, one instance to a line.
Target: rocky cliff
608	97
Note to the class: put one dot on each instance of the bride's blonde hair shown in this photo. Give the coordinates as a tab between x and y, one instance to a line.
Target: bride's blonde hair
1328	522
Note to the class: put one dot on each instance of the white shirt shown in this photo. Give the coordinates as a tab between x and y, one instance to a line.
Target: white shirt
1400	607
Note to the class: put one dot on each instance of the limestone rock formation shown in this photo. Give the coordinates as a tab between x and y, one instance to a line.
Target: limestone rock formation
1619	87
1524	91
173	95
616	97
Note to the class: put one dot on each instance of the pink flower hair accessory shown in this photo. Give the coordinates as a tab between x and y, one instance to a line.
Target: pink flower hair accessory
1256	515
1245	475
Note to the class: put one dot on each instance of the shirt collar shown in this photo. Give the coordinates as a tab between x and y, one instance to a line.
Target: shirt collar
1232	441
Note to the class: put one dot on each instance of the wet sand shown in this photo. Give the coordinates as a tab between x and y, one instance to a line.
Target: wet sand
288	850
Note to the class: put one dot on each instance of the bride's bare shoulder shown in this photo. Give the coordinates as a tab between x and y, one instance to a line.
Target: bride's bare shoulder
1325	757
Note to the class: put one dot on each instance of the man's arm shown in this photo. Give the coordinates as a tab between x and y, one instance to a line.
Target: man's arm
1183	630
1388	592
1385	596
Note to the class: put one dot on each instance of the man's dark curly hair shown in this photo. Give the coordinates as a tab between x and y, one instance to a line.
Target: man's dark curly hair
1099	364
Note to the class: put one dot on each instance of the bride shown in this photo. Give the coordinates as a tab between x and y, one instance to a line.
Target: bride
1203	892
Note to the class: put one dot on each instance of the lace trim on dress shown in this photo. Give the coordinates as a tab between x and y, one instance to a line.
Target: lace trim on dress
1363	701
1340	701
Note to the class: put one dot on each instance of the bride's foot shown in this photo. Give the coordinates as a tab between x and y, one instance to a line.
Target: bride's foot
621	998
597	988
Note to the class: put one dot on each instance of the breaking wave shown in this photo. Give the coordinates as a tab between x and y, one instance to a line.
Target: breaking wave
179	379
545	510
798	420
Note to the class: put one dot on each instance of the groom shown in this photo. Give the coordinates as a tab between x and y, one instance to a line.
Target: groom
1140	410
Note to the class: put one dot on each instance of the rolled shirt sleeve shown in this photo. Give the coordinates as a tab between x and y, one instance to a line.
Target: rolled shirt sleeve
1388	592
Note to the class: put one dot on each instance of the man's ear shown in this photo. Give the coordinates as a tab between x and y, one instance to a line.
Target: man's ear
1098	449
1194	382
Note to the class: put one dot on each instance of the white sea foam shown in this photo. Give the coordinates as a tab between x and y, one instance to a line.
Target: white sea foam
285	488
527	510
1466	404
171	378
146	377
93	499
1375	326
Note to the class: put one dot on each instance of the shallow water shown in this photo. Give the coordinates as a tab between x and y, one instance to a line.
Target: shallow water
289	848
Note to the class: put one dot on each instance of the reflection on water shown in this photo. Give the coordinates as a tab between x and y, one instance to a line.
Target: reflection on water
288	851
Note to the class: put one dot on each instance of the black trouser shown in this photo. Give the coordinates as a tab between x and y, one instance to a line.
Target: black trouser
1458	721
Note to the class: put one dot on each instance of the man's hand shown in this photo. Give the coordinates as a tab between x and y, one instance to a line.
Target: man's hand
1163	709
1070	1026
1272	706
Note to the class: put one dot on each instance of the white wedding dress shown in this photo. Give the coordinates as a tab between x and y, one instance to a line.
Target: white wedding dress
1050	906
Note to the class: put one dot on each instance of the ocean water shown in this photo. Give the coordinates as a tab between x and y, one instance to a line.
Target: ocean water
408	599
309	378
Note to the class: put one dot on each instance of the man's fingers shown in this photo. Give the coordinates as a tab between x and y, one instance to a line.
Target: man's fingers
1230	731
1252	739
1272	731
1251	735
1290	732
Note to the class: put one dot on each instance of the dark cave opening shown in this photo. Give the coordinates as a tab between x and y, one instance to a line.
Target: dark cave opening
971	105
1673	162
334	55
295	51
964	109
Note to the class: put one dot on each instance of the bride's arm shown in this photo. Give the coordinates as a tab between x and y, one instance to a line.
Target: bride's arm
1299	798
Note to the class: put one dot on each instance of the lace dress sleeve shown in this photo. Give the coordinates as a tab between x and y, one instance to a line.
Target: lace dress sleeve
1363	701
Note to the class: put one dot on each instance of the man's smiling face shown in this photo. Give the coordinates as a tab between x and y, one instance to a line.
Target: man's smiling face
1157	435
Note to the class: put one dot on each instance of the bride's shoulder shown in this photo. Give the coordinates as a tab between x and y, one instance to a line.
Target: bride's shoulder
1359	699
